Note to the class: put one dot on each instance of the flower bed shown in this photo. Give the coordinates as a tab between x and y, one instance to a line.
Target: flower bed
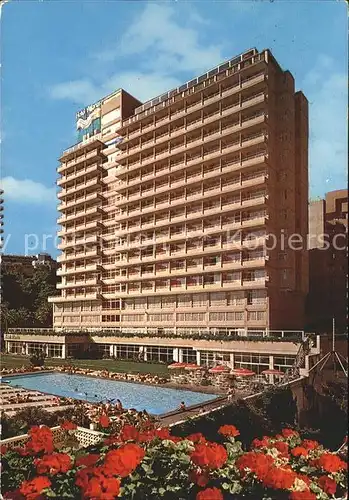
148	463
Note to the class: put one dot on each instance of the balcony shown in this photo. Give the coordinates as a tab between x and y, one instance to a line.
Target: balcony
86	145
78	284
257	283
77	256
79	269
87	157
77	242
79	201
73	298
79	214
81	227
96	167
78	187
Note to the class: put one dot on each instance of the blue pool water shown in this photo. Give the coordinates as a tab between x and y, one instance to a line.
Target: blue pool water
155	400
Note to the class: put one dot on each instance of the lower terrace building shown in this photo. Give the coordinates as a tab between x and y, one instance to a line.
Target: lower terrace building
280	350
169	213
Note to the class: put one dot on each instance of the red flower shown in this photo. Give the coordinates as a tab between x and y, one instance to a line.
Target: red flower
53	464
299	451
229	430
3	449
289	433
259	443
302	495
331	463
104	420
196	438
123	461
279	479
282	448
258	463
309	444
95	485
40	439
87	460
68	426
102	488
210	494
199	478
32	489
327	484
211	455
163	433
146	436
129	433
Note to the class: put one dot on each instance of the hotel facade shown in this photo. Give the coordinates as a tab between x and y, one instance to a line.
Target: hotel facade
174	214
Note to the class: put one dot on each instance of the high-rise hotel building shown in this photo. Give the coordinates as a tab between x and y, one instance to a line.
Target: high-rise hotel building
175	213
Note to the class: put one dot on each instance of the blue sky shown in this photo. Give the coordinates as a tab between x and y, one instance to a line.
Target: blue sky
58	56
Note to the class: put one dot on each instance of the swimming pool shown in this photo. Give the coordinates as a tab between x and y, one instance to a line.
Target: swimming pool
154	399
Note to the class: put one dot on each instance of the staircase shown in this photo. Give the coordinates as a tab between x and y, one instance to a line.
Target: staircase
299	362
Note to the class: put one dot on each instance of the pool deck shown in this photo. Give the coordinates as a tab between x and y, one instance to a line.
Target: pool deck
180	416
175	417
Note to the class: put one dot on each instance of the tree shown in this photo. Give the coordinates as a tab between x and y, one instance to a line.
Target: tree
26	298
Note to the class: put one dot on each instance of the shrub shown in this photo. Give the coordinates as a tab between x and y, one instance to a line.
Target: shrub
38	358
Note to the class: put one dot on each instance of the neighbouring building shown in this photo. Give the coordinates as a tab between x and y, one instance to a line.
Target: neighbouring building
169	211
26	264
328	263
1	215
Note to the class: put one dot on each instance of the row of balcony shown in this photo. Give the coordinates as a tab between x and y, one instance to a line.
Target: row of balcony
187	235
222	164
85	268
216	169
87	158
66	257
201	122
84	226
95	168
217	248
75	297
184	289
82	185
260	117
216	175
129	259
81	200
78	284
234	89
74	242
80	214
202	270
216	207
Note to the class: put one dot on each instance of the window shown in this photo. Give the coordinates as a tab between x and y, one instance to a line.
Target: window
255	315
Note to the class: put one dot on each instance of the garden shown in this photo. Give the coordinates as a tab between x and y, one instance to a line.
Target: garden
145	462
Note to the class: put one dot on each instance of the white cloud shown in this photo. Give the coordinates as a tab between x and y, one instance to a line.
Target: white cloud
78	90
168	44
326	89
27	191
144	86
166	47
